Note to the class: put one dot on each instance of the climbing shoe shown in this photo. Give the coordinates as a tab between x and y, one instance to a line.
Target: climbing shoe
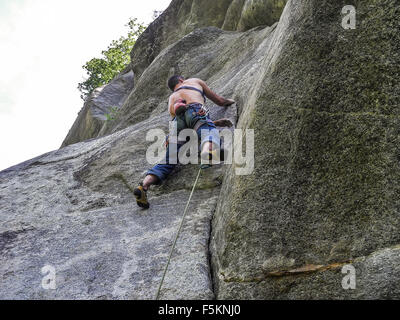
180	107
214	155
141	197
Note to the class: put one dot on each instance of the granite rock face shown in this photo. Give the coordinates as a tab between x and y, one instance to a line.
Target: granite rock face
208	53
75	212
101	105
180	19
324	194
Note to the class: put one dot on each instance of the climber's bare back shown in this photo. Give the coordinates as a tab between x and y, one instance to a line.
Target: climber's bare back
192	96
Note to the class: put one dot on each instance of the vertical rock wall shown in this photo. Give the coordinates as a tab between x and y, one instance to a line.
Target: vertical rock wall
325	189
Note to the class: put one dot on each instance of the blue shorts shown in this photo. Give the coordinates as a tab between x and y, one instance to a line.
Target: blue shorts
162	170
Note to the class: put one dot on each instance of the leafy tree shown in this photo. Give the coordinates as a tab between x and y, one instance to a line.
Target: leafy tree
102	70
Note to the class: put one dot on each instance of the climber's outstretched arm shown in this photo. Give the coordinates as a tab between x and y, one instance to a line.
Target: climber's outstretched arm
213	96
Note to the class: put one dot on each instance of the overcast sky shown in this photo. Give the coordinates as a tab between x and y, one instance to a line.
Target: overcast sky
43	45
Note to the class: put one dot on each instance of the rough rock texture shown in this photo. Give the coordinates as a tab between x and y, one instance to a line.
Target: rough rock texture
323	102
208	53
100	103
83	184
178	20
71	209
325	190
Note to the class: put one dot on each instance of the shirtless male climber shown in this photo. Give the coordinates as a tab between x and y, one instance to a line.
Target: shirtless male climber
186	106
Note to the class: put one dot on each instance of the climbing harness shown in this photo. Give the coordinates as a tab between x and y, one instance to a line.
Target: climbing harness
177	235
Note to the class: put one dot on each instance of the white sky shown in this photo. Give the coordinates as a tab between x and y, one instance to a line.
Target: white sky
43	46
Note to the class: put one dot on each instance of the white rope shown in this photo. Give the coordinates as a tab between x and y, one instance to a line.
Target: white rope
177	236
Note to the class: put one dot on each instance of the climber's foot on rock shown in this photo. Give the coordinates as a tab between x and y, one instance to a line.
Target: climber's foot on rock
223	123
141	197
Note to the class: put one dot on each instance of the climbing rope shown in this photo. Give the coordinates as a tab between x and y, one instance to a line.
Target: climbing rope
177	235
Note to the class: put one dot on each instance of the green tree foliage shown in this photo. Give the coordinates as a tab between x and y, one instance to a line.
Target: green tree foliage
102	70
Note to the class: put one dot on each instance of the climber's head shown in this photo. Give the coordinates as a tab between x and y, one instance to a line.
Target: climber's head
174	81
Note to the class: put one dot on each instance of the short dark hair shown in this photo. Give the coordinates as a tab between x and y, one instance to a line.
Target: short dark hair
173	81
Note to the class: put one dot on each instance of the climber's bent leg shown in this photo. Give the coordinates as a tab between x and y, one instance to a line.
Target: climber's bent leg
162	170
